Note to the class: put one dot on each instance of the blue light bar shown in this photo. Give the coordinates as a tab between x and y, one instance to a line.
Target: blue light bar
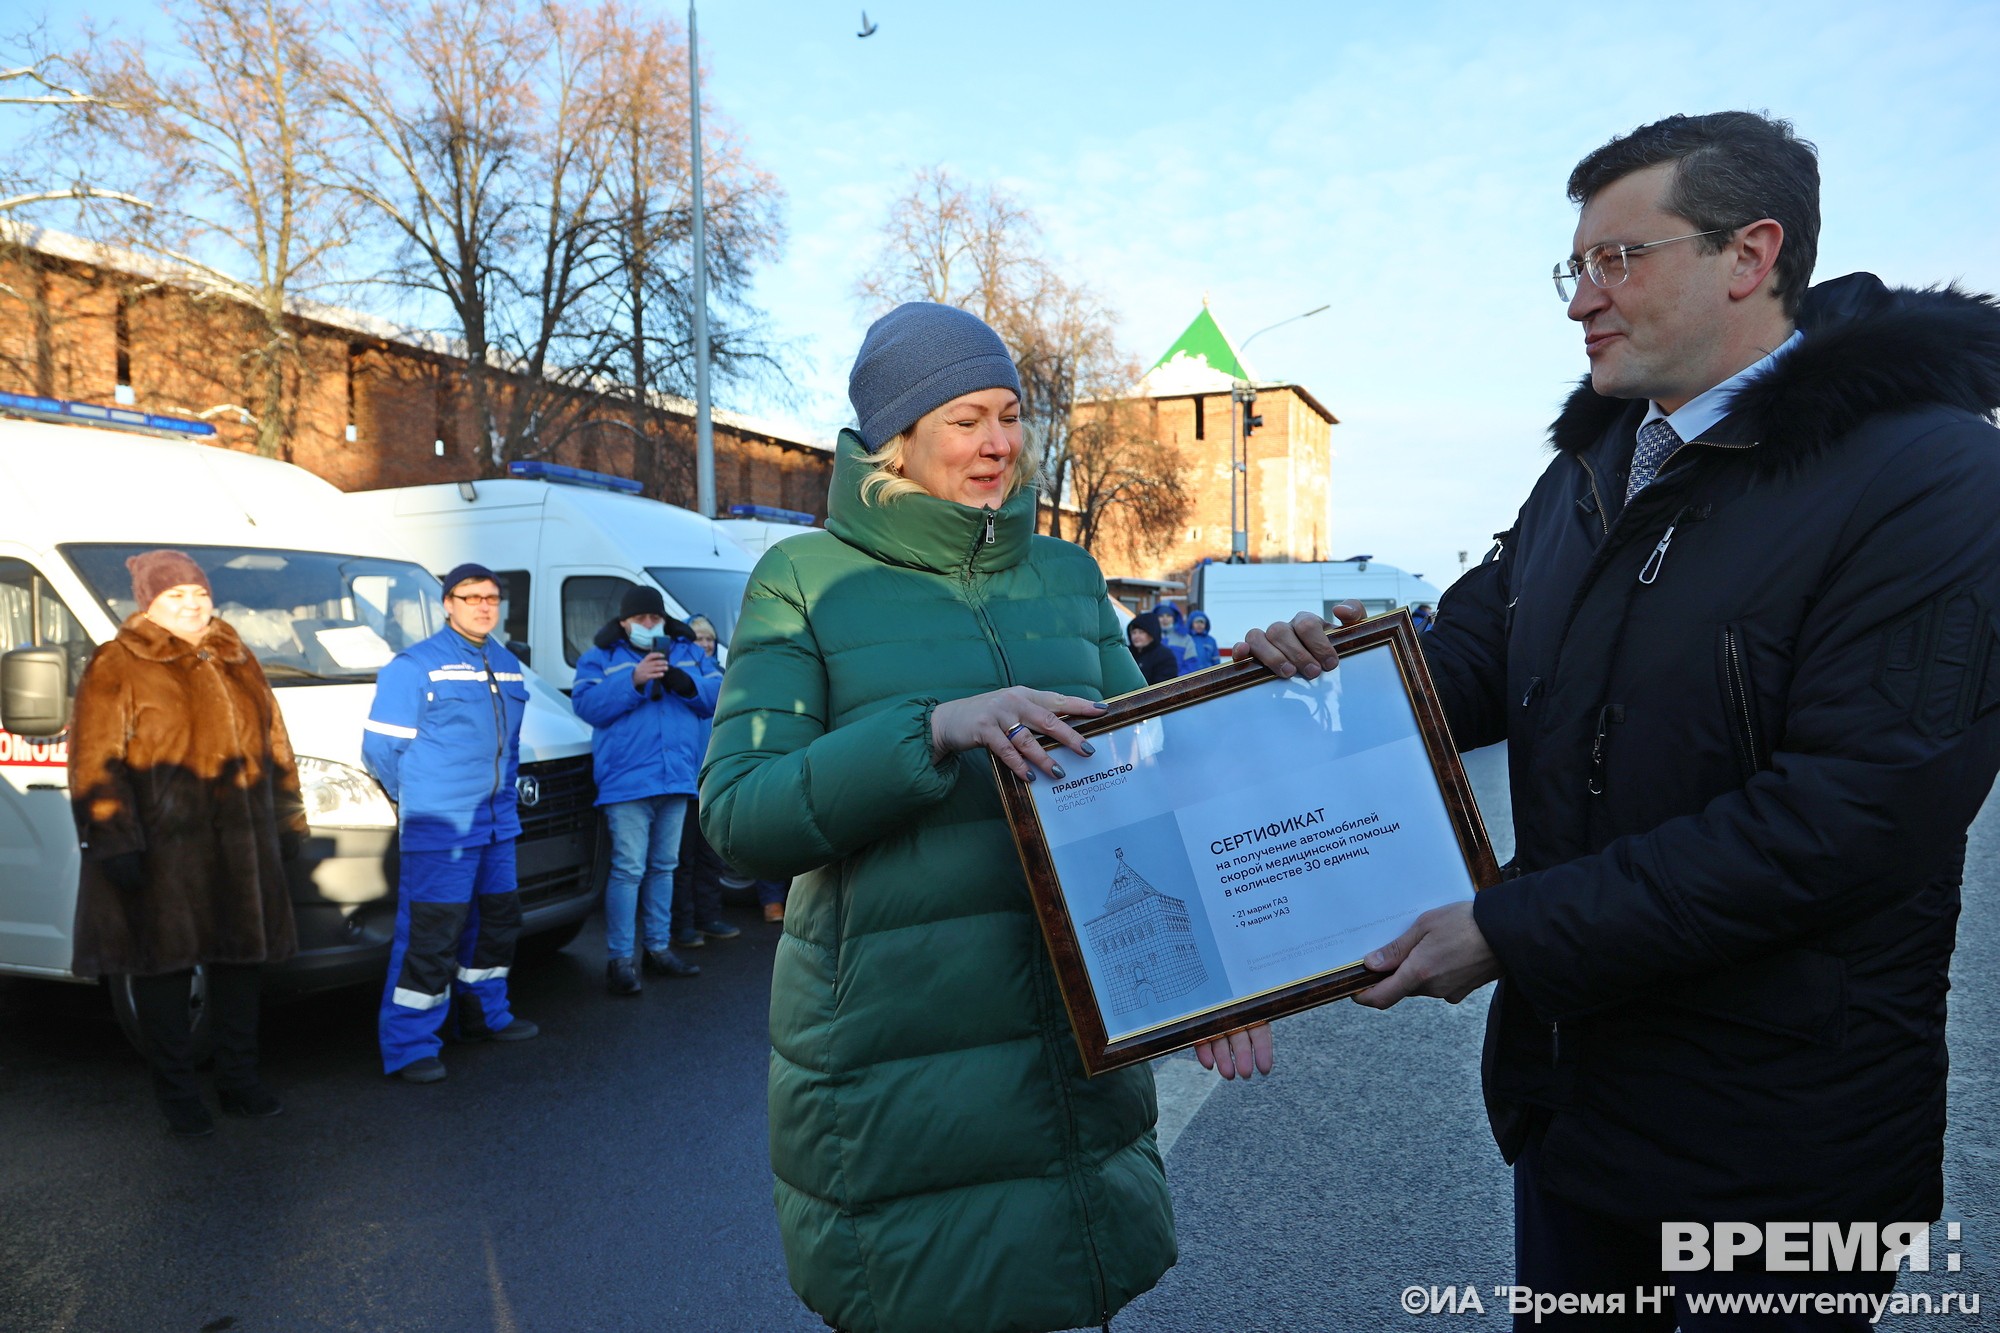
773	514
118	418
534	469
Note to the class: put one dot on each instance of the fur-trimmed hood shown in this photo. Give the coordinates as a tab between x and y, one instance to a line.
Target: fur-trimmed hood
1868	349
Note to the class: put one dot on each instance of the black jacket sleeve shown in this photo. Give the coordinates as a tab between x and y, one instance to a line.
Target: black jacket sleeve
1889	744
1467	651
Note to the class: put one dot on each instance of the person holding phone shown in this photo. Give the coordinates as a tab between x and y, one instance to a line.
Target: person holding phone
646	692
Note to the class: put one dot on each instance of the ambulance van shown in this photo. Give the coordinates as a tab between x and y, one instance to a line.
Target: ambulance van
321	597
566	544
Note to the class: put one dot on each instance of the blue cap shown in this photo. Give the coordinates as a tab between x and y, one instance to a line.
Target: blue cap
468	573
917	358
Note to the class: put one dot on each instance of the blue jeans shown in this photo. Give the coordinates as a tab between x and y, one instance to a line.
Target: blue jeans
645	848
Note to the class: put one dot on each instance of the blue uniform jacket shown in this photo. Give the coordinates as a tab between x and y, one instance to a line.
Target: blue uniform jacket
644	746
444	739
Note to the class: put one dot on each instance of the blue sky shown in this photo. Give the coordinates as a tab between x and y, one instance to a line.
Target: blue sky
1403	162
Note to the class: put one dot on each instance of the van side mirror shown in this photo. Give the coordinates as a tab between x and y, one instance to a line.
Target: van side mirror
34	691
522	651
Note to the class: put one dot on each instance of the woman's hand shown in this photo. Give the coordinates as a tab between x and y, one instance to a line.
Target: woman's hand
1235	1055
1008	722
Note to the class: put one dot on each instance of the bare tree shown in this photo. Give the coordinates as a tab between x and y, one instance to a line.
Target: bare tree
1065	346
651	235
1124	484
529	160
37	173
225	133
443	99
36	84
948	243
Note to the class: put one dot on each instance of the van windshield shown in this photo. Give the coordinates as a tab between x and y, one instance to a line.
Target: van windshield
715	593
310	617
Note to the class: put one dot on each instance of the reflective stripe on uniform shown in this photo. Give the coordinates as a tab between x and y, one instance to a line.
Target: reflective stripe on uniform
389	729
472	974
458	673
416	999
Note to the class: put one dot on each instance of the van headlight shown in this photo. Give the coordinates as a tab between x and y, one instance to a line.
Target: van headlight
339	796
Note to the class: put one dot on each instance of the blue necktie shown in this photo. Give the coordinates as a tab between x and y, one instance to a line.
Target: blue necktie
1656	440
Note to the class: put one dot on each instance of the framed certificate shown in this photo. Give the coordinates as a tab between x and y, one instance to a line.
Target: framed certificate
1240	841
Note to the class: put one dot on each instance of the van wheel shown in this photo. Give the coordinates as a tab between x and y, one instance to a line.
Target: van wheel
199	1025
549	943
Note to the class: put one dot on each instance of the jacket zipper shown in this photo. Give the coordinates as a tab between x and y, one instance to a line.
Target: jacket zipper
1651	569
978	603
499	736
1739	703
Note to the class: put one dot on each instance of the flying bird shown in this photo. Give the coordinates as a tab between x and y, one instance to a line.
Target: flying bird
867	28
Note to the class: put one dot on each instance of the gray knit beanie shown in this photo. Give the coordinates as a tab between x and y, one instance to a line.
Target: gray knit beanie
917	358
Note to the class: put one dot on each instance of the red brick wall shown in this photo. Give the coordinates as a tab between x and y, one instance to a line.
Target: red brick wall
59	337
1289	462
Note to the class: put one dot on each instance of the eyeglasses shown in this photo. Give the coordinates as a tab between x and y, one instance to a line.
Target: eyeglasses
477	599
1606	264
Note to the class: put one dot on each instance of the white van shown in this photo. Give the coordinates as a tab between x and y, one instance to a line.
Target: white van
320	597
1239	598
566	544
757	528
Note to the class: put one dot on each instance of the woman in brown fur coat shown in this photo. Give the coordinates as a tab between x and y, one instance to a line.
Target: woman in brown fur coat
187	802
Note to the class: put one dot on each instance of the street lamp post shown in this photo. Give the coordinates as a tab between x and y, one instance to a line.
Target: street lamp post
704	431
1239	466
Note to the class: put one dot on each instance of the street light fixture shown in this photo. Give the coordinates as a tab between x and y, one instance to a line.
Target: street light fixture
704	432
1245	395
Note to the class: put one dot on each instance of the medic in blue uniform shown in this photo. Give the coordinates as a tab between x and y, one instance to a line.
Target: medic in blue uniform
444	740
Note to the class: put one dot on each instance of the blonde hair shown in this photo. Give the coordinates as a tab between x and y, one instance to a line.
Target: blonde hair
885	480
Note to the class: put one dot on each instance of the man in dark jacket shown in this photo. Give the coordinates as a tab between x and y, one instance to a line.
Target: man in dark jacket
1156	661
1741	644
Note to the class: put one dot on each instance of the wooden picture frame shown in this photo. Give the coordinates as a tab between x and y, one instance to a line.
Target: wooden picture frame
1117	967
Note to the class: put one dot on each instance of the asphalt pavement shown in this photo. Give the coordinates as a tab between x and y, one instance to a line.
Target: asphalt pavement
612	1174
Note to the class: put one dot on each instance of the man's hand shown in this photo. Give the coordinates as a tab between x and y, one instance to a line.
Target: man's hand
1443	955
1235	1055
651	667
1297	647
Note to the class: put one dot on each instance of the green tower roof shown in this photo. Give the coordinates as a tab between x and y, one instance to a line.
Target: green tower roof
1205	339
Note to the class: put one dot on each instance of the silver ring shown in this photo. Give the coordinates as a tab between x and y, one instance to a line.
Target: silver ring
1015	729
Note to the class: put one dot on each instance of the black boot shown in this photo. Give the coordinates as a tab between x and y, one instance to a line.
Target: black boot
621	977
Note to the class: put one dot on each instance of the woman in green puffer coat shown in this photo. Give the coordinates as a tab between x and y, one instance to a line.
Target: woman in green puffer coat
943	1165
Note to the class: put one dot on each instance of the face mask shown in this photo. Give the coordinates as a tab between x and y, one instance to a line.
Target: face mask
643	637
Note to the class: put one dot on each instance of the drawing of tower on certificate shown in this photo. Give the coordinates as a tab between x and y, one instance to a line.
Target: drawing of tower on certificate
1145	948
